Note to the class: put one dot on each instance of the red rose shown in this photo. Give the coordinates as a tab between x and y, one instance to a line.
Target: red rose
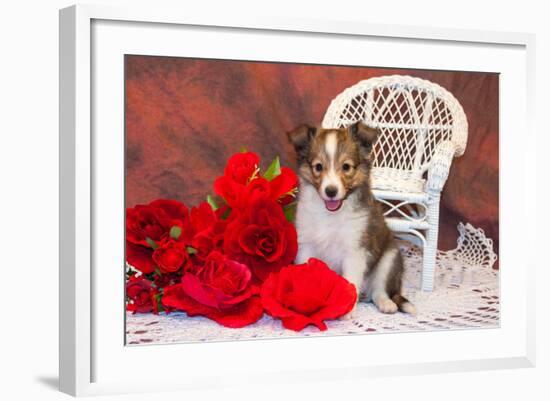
240	169
220	290
262	238
241	166
306	294
141	295
142	222
154	220
171	256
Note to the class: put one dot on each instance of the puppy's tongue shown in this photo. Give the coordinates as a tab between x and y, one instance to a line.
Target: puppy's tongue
333	205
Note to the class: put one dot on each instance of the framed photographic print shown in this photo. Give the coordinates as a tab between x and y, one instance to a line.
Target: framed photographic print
249	190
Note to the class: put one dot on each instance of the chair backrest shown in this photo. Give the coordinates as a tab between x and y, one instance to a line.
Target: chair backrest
414	115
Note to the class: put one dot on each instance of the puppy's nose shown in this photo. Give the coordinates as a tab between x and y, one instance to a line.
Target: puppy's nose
331	191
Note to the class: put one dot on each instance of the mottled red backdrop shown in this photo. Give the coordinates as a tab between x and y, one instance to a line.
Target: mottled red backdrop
185	117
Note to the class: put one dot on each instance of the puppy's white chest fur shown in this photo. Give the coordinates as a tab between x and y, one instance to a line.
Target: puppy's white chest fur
329	236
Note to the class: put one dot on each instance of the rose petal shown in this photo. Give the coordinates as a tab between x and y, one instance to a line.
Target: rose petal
199	292
202	217
229	190
140	257
248	238
174	209
243	314
283	183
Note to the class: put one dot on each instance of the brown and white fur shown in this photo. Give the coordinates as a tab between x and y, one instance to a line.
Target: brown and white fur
338	220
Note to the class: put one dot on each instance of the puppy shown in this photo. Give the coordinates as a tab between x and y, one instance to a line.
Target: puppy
337	218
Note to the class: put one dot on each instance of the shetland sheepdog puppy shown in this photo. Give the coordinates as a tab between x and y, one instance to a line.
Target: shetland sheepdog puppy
338	219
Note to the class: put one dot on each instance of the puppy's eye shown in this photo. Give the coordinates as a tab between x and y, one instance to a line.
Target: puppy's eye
346	167
318	167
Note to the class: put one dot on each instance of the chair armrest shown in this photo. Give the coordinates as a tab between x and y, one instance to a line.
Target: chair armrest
440	165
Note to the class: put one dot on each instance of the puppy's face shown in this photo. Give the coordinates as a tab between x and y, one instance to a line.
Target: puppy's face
334	161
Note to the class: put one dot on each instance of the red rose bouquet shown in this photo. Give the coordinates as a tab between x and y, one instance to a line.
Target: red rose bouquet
215	259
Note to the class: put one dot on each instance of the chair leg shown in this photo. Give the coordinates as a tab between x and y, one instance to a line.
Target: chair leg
430	247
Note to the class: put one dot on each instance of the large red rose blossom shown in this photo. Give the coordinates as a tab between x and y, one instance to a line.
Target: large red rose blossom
261	238
307	294
220	290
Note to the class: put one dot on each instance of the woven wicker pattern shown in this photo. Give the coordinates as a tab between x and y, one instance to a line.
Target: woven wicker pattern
414	116
423	127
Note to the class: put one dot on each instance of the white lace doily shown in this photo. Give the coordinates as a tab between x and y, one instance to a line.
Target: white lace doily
466	295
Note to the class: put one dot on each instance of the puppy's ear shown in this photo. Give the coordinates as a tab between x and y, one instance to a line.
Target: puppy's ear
300	138
365	135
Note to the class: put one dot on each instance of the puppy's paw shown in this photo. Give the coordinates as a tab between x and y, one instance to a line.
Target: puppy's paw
386	306
352	314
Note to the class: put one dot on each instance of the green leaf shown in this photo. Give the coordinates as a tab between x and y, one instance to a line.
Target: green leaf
212	202
273	170
191	250
243	149
290	212
158	300
226	214
151	243
175	232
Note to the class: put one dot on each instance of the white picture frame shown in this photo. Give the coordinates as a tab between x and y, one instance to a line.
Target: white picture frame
92	359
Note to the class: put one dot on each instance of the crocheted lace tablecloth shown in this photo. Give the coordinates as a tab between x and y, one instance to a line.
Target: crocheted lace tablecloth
466	295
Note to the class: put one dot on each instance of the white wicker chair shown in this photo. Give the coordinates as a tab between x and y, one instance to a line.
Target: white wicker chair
423	127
